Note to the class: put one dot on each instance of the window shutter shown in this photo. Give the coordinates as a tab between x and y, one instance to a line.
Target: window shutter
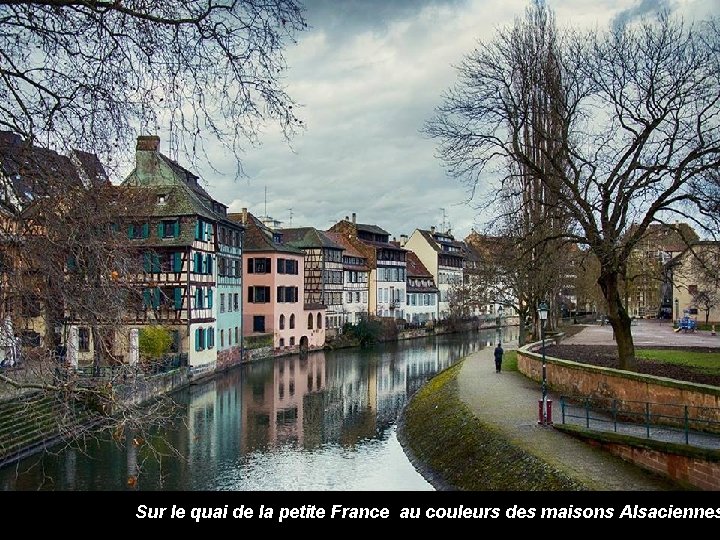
147	301
178	293
211	337
161	229
145	230
177	261
197	339
176	229
210	298
250	295
71	263
198	225
156	262
131	231
268	267
156	299
251	266
146	261
198	298
209	264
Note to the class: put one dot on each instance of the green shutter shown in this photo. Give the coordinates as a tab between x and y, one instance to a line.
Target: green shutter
176	229
209	264
178	292
198	226
156	298
177	261
145	230
71	263
161	229
131	231
147	300
210	298
211	337
147	261
156	266
197	339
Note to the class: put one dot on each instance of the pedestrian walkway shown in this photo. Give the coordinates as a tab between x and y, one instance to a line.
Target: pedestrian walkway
509	402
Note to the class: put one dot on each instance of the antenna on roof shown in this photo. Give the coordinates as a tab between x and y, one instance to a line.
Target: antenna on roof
444	227
291	215
266	202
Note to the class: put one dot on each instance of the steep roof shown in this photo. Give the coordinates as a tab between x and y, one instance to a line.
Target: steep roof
434	240
258	237
308	237
374	229
415	268
28	172
163	176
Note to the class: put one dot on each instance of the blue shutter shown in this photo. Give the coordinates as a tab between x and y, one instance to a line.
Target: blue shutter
178	293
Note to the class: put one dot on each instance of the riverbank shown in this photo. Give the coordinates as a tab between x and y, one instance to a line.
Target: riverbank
470	428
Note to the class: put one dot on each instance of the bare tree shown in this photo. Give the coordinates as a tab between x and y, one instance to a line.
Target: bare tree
90	75
638	110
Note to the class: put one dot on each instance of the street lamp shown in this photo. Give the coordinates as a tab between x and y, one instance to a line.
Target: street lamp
499	323
544	414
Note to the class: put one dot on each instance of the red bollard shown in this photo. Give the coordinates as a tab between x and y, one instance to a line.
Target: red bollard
548	421
541	415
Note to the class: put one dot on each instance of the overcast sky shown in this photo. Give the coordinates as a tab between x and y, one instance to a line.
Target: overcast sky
368	74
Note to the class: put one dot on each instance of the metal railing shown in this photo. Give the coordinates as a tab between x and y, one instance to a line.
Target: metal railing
668	422
165	364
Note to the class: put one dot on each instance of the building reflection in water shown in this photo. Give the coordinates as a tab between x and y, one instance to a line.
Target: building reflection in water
345	398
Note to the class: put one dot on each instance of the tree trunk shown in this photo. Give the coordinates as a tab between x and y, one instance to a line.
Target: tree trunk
619	320
522	330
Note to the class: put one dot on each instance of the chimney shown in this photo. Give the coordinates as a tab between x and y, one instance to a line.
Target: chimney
353	218
146	159
244	216
148	143
403	240
432	229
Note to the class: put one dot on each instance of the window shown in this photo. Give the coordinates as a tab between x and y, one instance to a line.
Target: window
222	338
287	294
292	340
282	322
692	289
349	297
237	335
200	337
210	338
259	323
319	321
259	295
151	298
282	342
222	307
83	339
235	303
151	262
292	321
138	230
310	321
169	228
259	265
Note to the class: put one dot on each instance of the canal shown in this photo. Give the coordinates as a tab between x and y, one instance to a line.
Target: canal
326	421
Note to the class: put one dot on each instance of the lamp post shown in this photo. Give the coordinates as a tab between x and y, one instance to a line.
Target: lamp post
499	323
544	414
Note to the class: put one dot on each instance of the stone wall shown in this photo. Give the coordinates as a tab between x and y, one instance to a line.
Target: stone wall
605	384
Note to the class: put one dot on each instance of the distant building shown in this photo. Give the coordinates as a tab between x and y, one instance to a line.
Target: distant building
422	294
323	272
695	278
387	281
274	304
356	277
442	255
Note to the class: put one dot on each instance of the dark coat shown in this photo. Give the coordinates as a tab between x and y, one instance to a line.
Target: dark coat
498	353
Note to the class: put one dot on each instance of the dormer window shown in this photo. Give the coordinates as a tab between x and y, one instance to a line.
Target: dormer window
162	199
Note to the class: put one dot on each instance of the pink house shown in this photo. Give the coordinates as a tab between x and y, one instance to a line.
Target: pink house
273	296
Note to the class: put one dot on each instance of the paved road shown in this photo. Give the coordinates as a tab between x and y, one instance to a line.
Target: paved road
509	401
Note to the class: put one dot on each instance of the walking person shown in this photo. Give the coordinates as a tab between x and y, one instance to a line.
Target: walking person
498	358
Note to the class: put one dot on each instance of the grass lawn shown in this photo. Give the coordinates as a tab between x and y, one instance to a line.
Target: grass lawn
510	361
707	362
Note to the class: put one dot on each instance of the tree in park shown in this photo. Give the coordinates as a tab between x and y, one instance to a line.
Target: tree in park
78	82
619	129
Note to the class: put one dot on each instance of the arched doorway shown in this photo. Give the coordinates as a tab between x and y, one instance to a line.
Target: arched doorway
303	344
